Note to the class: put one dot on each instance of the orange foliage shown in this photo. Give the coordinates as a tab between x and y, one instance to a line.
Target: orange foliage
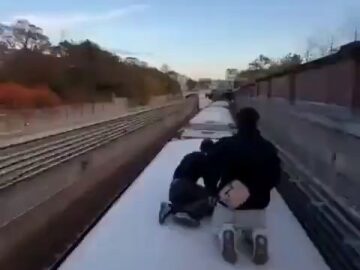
16	96
83	73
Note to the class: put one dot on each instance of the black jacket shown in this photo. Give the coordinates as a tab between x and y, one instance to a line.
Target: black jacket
191	167
249	158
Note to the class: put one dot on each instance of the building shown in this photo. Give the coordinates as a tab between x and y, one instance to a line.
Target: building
204	83
221	85
241	80
230	74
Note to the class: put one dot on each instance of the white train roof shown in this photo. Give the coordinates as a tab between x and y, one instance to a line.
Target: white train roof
129	237
220	103
189	133
213	115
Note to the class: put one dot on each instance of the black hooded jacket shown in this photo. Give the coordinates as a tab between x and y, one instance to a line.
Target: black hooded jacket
191	167
247	157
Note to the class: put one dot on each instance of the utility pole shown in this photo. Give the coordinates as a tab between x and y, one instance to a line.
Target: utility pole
332	45
356	34
63	35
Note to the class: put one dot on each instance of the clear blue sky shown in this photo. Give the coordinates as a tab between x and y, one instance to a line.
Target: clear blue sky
200	38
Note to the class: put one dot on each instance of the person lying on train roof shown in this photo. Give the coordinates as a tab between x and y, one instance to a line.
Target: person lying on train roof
189	201
242	170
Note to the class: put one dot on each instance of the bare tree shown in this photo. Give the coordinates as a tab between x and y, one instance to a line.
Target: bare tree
3	48
320	47
311	49
28	37
291	59
165	68
323	50
260	63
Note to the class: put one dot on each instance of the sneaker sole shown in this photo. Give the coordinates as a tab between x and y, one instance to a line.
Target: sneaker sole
228	251
261	250
162	217
186	222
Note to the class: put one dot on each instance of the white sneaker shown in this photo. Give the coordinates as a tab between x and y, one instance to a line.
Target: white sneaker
228	243
260	249
164	212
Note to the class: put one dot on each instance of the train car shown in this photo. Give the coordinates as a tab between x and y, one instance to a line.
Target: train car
220	103
130	237
214	121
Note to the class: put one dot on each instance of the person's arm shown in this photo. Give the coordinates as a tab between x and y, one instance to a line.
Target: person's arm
211	179
274	168
214	166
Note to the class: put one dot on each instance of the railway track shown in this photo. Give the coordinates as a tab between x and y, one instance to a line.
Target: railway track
21	162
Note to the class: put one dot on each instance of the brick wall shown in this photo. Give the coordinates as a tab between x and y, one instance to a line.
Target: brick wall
332	84
263	88
334	80
280	87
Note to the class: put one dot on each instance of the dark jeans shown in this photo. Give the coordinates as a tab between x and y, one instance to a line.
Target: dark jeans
189	197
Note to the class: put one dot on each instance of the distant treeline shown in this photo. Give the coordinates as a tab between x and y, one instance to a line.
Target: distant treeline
77	72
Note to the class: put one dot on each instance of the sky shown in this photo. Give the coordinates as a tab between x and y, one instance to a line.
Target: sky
198	38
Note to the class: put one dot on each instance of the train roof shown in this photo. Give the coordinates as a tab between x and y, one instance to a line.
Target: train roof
213	115
129	236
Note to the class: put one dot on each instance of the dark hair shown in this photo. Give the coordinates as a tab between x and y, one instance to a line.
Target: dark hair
206	145
247	118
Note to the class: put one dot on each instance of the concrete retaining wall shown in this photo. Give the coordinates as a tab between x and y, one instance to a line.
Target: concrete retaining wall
20	122
158	100
55	207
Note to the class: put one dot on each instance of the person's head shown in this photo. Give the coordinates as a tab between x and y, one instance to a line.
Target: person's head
206	145
247	119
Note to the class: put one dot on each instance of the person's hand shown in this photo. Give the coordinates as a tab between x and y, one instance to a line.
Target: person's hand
213	201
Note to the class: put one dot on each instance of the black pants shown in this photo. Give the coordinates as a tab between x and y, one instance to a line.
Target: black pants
189	197
256	202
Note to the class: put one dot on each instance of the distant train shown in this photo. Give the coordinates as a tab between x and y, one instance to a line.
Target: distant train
213	121
221	94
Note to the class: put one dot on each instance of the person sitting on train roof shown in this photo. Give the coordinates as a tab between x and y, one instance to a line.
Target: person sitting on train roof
243	169
189	201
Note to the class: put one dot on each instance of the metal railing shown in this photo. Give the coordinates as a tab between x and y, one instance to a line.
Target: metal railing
21	162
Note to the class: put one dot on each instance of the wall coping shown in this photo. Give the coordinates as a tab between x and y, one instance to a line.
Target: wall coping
347	51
